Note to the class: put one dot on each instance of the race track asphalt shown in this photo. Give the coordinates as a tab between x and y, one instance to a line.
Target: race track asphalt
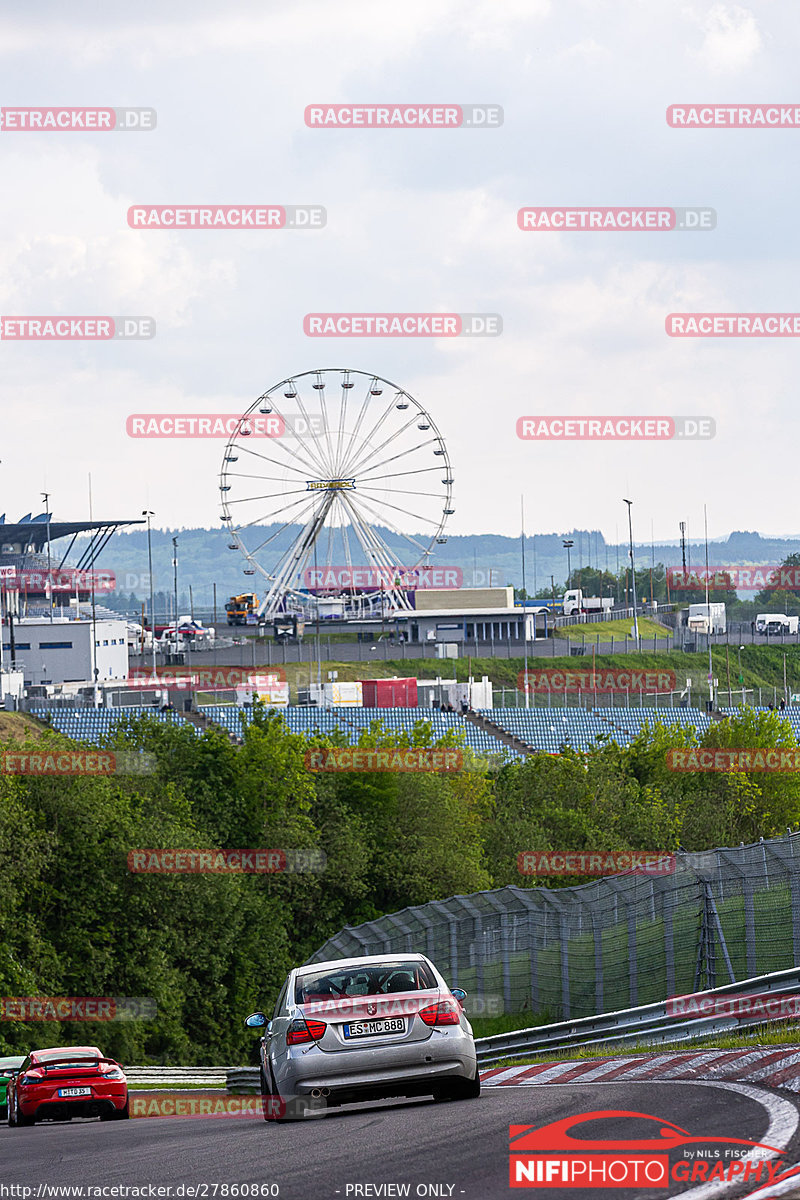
456	1149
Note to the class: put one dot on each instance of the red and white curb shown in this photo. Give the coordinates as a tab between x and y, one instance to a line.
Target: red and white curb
777	1067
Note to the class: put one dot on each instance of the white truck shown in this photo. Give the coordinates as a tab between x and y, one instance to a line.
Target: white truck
776	623
706	618
575	602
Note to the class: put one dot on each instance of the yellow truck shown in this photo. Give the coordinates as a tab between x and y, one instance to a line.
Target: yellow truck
239	608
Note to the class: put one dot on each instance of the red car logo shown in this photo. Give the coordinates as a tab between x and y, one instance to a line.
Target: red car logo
557	1135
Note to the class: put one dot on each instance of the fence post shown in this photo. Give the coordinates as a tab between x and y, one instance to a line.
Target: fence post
750	927
563	935
526	896
598	962
633	966
668	916
794	889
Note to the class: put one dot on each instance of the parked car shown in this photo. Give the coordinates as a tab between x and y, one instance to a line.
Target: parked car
7	1066
362	1029
65	1082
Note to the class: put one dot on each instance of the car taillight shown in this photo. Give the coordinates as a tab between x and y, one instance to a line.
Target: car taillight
304	1031
444	1013
25	1080
112	1073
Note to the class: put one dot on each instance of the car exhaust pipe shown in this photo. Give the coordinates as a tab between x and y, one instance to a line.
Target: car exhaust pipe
316	1093
325	1091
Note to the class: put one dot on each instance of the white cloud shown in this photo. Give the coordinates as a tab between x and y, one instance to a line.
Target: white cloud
732	39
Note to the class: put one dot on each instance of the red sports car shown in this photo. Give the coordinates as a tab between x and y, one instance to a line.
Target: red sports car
66	1082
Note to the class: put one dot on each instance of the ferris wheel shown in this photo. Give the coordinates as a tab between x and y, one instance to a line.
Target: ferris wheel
326	473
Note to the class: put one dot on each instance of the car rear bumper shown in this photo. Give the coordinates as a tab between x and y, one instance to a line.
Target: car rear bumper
414	1069
58	1108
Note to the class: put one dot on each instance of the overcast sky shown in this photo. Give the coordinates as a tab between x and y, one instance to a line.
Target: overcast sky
417	221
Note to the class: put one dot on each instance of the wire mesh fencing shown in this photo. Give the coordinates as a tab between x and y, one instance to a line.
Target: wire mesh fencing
617	942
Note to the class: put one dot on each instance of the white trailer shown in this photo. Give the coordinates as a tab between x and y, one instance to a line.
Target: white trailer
707	618
575	602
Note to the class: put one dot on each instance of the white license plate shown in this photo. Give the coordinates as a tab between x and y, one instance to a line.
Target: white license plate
74	1091
372	1028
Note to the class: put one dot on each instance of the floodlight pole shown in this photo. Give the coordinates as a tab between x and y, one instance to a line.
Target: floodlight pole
149	514
524	604
633	572
46	496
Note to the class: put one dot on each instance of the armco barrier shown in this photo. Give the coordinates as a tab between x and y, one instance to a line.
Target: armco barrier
649	1023
167	1076
243	1079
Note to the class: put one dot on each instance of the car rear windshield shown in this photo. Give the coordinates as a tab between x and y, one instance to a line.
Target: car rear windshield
374	979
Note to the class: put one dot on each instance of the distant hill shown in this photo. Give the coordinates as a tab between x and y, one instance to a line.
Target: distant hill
204	558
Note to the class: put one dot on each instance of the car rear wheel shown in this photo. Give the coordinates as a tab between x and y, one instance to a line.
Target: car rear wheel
461	1089
118	1114
19	1119
265	1094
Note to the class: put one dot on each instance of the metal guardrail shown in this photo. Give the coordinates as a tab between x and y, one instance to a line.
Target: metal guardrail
240	1079
165	1076
647	1023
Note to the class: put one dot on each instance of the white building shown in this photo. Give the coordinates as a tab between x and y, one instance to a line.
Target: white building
61	651
11	685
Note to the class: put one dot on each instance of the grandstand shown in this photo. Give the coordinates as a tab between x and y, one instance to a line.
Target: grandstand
551	729
541	730
93	724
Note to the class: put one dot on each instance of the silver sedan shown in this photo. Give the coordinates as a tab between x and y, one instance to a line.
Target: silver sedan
362	1029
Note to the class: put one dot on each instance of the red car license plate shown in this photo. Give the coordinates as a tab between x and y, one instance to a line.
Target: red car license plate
74	1091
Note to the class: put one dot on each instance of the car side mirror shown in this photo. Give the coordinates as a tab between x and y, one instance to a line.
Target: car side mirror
256	1020
460	995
